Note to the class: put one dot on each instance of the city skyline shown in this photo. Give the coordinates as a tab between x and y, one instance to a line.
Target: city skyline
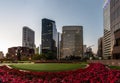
16	14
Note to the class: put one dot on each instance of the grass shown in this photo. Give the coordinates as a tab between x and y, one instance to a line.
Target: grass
49	67
114	67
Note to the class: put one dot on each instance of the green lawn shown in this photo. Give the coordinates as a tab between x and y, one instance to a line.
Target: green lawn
115	67
51	67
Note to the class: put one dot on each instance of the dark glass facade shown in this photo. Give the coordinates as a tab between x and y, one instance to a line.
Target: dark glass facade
49	36
100	47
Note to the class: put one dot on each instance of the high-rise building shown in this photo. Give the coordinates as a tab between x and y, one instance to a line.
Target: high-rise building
115	27
107	31
72	41
28	37
59	46
49	36
84	49
100	47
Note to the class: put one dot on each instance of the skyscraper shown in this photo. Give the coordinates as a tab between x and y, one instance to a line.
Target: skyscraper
49	36
59	46
100	47
115	27
72	41
107	49
28	37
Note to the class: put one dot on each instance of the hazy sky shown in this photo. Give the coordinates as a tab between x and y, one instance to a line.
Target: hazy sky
14	14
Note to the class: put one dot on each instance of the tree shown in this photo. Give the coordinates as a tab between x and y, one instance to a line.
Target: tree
50	56
44	56
36	57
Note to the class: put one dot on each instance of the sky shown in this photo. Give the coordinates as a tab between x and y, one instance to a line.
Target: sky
14	14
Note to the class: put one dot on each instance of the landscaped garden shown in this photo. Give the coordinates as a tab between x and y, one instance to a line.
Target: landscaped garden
94	73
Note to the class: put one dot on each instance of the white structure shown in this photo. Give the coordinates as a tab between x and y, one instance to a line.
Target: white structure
107	31
28	37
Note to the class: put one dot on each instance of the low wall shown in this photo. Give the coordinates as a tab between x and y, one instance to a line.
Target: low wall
106	62
56	61
51	61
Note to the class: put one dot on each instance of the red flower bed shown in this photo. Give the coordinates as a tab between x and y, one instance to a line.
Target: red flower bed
95	73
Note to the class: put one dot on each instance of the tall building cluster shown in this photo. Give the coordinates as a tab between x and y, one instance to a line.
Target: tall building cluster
70	42
61	45
27	50
111	38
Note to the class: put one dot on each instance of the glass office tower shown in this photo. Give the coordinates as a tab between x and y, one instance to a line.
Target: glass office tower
49	36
